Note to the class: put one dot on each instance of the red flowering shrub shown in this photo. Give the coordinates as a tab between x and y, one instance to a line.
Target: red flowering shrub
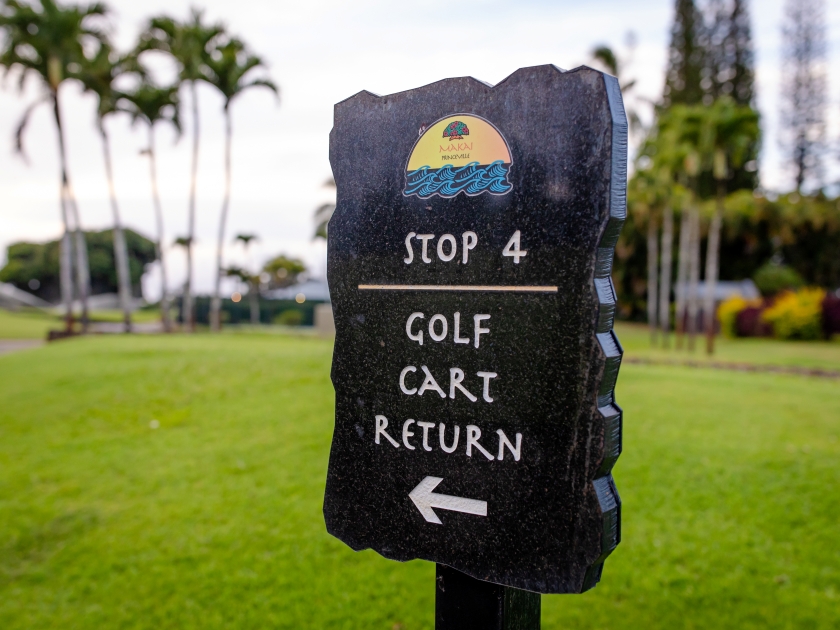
831	314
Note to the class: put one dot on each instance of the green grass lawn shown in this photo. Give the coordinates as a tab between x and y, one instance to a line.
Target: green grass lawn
635	338
27	324
35	324
213	520
115	315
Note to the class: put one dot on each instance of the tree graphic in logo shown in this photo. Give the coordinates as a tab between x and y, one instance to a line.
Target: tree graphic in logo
456	130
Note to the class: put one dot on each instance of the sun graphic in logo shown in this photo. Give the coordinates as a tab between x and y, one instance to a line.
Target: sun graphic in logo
456	130
473	158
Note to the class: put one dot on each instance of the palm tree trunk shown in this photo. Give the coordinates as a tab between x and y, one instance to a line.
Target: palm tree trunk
82	271
665	273
216	306
164	299
800	157
120	249
693	276
66	264
712	265
82	267
652	263
682	275
254	299
189	310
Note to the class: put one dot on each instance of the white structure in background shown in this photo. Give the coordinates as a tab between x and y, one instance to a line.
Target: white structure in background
13	298
726	289
109	301
324	321
313	290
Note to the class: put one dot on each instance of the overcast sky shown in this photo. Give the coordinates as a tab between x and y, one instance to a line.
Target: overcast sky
321	52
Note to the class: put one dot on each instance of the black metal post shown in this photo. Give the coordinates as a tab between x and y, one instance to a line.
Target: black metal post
464	603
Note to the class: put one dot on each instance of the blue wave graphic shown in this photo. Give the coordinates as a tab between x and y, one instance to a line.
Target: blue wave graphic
471	179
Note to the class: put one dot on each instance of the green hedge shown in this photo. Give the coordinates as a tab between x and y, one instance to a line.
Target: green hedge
39	261
240	312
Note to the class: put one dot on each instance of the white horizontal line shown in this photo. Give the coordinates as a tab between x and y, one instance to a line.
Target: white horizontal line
456	287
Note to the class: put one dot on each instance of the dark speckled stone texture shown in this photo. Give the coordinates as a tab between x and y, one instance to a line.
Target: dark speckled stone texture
554	515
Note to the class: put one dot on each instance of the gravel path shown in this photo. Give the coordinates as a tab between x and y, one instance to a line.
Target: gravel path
13	345
739	367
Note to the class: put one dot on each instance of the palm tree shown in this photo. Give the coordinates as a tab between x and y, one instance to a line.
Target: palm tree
246	239
648	198
729	133
682	128
682	274
99	76
324	212
677	199
666	248
153	105
48	41
253	281
191	44
693	269
653	276
184	242
666	151
607	58
229	68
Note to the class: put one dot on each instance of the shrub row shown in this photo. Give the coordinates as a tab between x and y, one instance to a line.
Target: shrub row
807	314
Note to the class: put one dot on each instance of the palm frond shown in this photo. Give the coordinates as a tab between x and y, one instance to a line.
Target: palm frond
246	239
266	83
152	104
322	217
21	127
229	66
190	43
607	57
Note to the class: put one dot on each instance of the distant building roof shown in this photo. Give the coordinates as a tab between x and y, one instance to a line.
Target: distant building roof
316	290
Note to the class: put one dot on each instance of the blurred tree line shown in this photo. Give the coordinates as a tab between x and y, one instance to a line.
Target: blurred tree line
35	267
696	209
790	231
284	312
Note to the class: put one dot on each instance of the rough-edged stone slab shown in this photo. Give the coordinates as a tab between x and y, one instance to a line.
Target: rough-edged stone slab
556	176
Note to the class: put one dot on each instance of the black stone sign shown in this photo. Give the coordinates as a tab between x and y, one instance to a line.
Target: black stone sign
469	268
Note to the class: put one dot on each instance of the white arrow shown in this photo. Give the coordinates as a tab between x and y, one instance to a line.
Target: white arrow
425	500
